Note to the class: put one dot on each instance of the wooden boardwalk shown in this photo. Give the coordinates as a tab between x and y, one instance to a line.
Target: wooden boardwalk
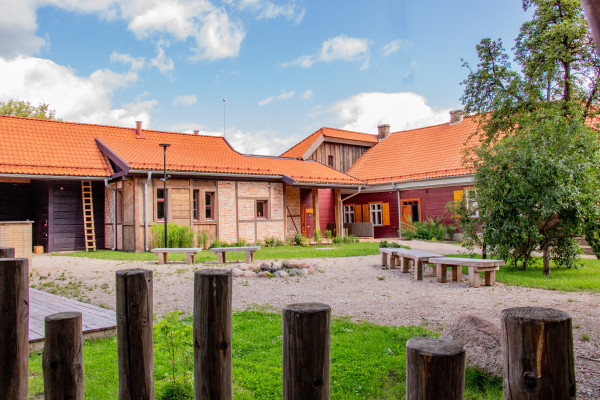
94	319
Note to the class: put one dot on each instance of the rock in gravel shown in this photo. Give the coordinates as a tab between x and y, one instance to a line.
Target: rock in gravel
248	274
310	270
295	272
263	274
236	271
265	266
287	264
281	274
304	266
276	266
482	340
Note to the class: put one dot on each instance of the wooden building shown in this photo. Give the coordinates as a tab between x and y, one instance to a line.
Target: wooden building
46	166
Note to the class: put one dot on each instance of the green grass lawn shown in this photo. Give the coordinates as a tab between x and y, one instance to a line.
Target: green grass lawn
265	253
367	362
585	278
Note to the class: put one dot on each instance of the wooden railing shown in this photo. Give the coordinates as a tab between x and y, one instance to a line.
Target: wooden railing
537	346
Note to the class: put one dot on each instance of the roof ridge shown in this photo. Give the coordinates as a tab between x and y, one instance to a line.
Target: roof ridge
432	126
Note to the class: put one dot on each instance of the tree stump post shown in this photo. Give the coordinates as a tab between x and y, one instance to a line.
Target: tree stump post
63	356
537	354
14	327
212	335
134	334
435	369
7	252
306	351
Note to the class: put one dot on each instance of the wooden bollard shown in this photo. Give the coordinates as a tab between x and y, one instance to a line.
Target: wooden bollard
134	334
537	354
14	327
212	335
435	369
7	252
306	351
63	356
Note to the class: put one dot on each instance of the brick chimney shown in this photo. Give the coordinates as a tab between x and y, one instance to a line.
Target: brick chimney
383	131
456	116
138	130
196	132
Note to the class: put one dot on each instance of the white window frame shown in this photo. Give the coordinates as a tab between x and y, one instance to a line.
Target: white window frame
376	212
349	216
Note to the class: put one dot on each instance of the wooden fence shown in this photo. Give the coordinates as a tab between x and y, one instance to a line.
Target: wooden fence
537	346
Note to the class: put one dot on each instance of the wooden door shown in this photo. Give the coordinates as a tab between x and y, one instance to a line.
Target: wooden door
303	219
406	213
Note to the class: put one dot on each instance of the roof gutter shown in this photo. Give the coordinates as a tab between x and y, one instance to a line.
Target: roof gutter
63	177
207	174
342	208
290	181
114	213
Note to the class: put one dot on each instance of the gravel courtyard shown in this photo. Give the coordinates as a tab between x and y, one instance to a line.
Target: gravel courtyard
356	287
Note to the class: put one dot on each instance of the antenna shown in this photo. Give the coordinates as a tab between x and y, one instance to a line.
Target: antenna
223	117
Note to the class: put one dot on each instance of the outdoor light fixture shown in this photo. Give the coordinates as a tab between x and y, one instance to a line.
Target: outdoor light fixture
164	179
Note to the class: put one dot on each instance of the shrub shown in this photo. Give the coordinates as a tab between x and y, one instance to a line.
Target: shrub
318	236
202	239
338	240
269	241
177	236
300	240
451	231
385	243
218	243
431	229
349	239
328	234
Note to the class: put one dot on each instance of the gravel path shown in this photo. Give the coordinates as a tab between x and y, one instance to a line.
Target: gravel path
356	287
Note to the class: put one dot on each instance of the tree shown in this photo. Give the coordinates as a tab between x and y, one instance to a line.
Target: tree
535	160
20	108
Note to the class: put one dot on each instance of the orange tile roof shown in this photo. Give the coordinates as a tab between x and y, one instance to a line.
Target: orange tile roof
424	153
299	149
44	147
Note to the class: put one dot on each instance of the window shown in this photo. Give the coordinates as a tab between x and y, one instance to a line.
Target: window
195	204
376	214
261	209
209	206
160	204
349	214
330	161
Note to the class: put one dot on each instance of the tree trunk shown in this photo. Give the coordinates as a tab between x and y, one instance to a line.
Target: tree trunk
546	258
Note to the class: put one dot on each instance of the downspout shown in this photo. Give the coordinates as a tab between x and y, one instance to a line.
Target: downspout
399	211
114	213
342	208
146	244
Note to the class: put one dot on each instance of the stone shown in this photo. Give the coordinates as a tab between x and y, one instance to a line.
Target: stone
276	266
287	264
310	270
265	266
482	341
236	271
295	272
248	274
281	274
304	266
263	274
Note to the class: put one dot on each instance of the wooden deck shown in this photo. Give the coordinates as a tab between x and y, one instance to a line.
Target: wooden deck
96	321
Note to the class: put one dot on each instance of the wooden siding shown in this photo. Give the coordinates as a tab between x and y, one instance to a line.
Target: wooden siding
344	155
326	208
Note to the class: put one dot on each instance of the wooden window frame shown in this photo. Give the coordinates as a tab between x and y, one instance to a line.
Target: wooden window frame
376	212
411	200
349	213
265	209
158	200
196	205
330	161
206	206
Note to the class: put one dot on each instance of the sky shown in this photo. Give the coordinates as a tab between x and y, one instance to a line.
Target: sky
265	73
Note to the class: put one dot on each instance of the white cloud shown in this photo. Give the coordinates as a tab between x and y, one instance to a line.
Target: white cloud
307	95
219	37
402	110
185	100
75	98
395	45
339	48
264	142
266	9
163	63
136	63
282	96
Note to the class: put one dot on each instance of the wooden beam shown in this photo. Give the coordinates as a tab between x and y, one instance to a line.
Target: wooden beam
338	214
315	201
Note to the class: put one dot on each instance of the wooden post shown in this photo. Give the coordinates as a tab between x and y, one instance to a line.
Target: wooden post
14	327
63	356
338	213
306	351
134	334
7	252
537	354
435	369
212	335
315	201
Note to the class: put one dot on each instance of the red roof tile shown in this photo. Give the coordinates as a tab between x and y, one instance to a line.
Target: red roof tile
299	149
44	147
424	153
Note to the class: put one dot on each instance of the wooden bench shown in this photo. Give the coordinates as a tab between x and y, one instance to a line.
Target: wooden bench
221	251
488	267
403	257
190	253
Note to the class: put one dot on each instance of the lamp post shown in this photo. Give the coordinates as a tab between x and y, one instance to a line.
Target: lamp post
164	179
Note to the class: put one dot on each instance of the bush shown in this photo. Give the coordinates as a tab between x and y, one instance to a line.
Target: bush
202	239
431	229
337	240
451	231
385	243
350	239
177	236
272	241
328	234
300	240
218	243
318	236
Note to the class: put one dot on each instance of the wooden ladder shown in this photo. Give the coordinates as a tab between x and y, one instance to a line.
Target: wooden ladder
88	215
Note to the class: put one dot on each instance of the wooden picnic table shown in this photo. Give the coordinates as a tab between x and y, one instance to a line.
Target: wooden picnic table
221	251
488	267
418	257
190	253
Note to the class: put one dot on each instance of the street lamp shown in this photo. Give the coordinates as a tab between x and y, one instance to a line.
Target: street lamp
164	179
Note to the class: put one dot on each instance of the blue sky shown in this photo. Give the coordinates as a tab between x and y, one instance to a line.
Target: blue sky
285	68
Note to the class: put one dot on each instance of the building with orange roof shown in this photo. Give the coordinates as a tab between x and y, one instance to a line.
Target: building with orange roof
410	176
211	187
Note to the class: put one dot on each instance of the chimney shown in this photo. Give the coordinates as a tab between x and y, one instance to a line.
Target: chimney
383	131
138	130
196	132
456	116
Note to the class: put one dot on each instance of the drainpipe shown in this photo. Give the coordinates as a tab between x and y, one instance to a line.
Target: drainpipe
114	213
146	244
342	208
399	211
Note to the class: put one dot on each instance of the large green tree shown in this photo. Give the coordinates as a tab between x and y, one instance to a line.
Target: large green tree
20	108
535	160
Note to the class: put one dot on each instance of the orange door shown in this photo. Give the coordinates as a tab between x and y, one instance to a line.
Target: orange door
303	219
407	214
